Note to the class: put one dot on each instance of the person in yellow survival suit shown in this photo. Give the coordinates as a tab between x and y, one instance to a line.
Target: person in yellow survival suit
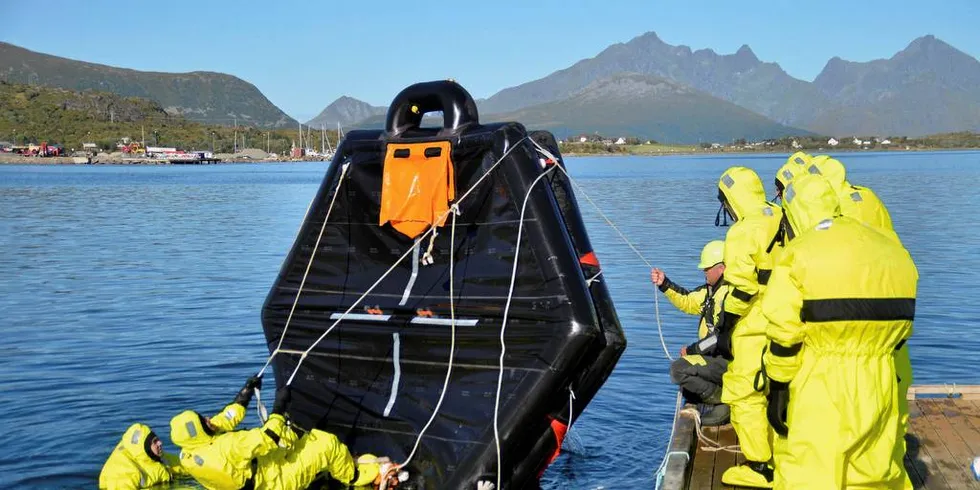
795	165
856	202
750	247
138	461
699	370
862	204
267	457
840	302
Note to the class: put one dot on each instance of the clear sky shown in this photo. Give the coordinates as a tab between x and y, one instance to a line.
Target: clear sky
303	55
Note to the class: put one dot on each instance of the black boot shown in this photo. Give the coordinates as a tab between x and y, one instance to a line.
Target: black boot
714	415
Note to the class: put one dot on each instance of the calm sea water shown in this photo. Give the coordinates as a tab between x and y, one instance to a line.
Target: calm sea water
131	293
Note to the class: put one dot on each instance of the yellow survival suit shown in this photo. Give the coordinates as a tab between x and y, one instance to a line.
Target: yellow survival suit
699	372
795	165
133	464
856	202
267	457
750	246
840	301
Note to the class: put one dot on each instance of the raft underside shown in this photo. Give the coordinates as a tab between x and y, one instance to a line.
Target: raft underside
943	438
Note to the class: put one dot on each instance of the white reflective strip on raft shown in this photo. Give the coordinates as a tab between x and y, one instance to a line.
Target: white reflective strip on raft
360	316
415	274
396	359
446	322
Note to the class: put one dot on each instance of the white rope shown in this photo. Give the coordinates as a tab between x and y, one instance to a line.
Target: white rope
712	445
578	188
309	264
259	406
306	353
571	407
503	324
663	464
452	344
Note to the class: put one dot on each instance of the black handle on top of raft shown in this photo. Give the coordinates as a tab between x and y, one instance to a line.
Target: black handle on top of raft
406	110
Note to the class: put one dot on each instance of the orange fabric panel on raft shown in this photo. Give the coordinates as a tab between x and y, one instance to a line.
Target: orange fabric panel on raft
417	185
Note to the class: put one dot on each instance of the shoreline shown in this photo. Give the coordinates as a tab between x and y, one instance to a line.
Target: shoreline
8	159
138	162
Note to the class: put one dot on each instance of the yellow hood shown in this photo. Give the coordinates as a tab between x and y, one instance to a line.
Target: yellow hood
787	173
742	189
136	442
808	200
831	169
187	430
800	158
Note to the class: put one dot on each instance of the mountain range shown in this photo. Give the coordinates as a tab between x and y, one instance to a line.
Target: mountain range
199	96
928	87
644	87
648	107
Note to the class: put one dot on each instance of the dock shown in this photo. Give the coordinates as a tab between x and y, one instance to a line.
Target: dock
943	439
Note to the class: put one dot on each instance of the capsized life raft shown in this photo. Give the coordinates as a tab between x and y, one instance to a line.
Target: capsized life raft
375	380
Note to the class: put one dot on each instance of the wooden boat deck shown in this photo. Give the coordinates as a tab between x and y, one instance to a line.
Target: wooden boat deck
943	439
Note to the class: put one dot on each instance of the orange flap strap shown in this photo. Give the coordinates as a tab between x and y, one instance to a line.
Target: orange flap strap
417	185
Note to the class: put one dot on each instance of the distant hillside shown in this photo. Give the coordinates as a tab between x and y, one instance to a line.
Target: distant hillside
929	87
650	108
347	111
740	78
201	96
32	114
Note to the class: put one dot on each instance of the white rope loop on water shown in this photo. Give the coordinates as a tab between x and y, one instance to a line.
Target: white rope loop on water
663	464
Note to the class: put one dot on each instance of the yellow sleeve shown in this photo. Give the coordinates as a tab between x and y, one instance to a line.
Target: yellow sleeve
337	460
119	473
249	444
781	306
882	218
740	244
172	463
228	418
687	301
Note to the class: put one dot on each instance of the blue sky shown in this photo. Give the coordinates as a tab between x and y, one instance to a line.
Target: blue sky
303	55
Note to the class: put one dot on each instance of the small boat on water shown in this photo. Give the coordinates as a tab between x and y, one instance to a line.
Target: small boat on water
943	439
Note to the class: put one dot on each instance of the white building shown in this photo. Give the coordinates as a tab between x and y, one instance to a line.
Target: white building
833	142
886	141
582	139
621	141
857	141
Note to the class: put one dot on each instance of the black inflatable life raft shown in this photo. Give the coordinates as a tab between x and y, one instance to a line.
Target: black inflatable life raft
375	380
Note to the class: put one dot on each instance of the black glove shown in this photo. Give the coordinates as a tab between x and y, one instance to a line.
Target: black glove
778	398
253	383
282	400
244	396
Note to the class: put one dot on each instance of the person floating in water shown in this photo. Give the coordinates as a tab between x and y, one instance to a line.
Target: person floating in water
138	461
702	364
273	456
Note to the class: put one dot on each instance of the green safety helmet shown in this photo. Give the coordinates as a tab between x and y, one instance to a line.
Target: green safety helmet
712	254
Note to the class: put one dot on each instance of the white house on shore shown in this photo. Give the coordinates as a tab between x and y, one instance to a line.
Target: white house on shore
833	142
